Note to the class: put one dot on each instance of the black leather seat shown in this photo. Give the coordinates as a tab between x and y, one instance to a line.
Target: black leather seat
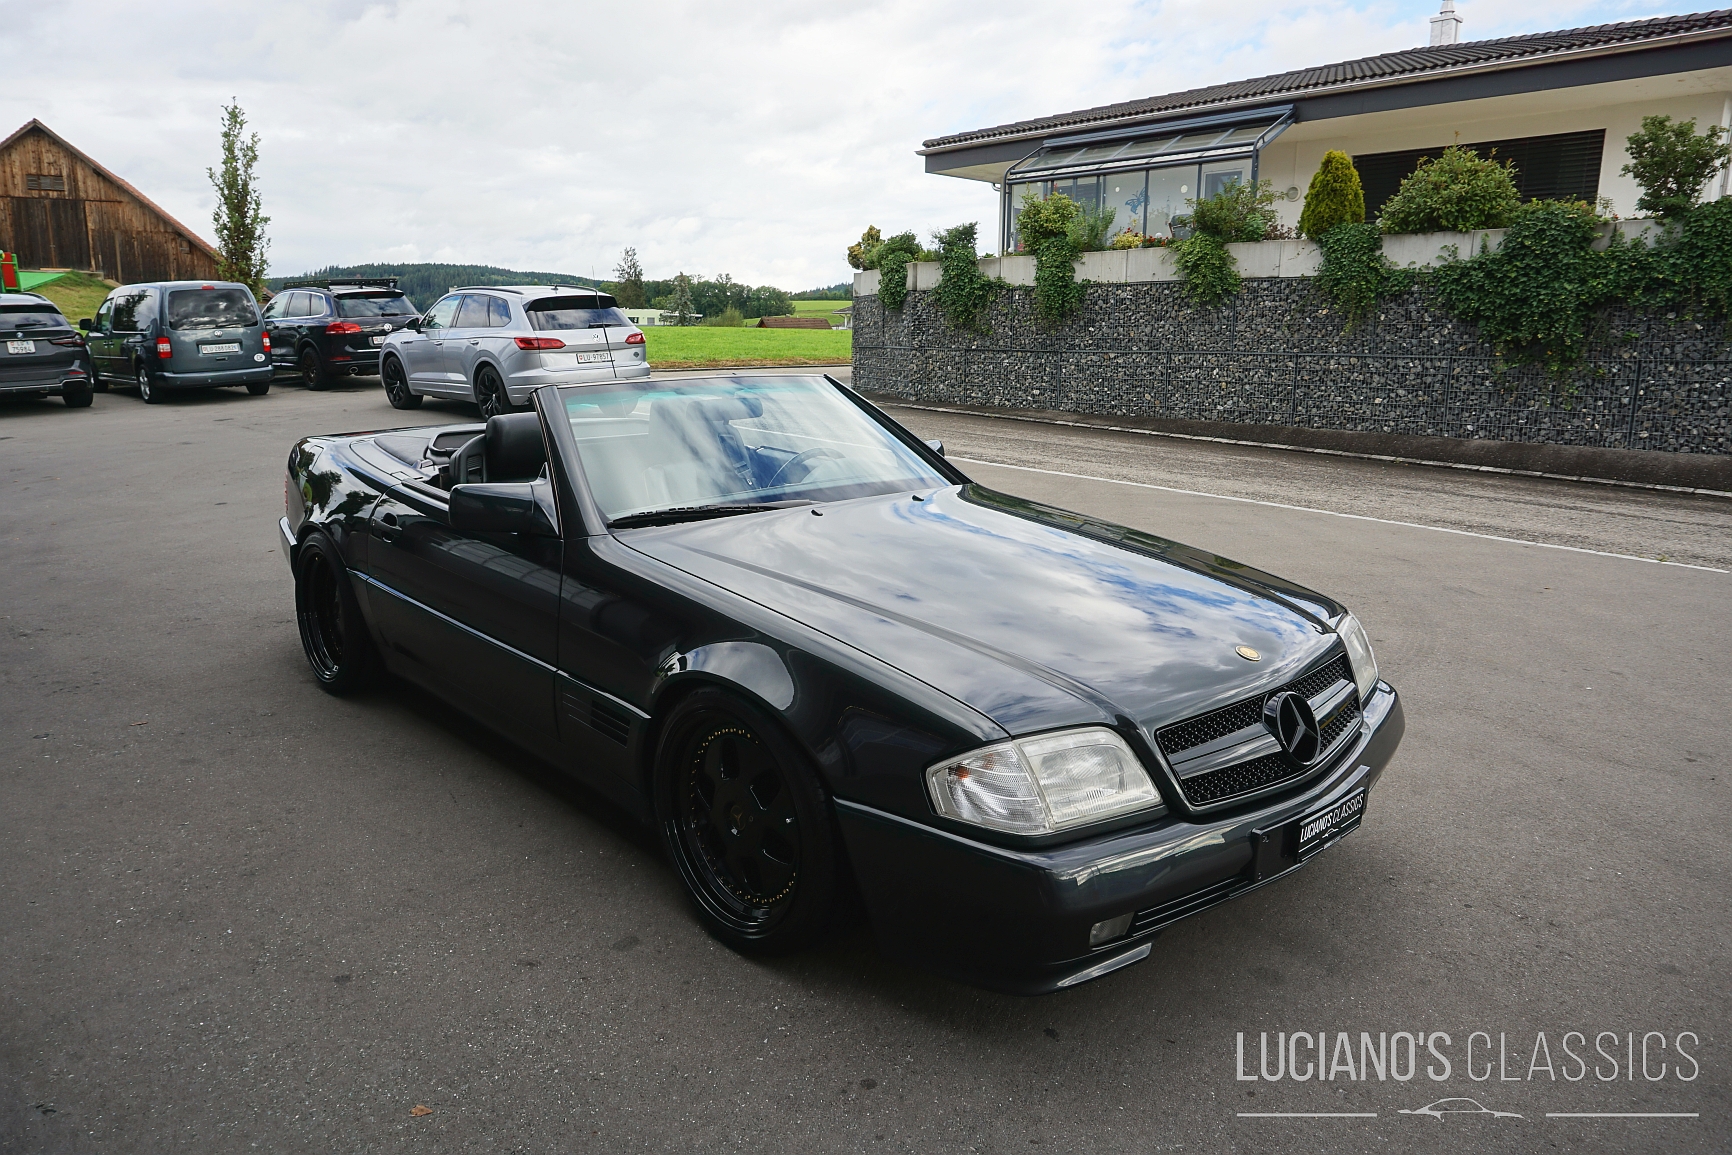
510	450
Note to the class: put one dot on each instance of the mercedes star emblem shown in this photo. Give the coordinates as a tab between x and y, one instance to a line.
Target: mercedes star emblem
1289	718
1248	653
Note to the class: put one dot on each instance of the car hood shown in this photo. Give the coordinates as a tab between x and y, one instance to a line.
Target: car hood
1034	616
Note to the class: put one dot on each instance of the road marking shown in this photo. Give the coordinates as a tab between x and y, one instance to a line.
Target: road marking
1307	1114
1623	1114
1336	513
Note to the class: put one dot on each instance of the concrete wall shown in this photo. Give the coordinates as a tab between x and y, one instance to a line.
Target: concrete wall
1277	259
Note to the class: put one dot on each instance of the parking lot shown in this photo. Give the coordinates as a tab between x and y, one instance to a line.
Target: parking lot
240	914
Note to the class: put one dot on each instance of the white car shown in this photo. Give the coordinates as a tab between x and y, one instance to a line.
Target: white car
496	344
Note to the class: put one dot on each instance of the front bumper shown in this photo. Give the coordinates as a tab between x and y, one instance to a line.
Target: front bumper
214	380
1018	920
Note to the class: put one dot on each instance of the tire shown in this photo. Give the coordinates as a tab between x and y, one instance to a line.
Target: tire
397	385
490	395
149	392
333	633
258	388
313	372
76	398
748	826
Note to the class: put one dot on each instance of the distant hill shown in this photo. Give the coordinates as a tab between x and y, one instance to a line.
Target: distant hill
426	283
842	292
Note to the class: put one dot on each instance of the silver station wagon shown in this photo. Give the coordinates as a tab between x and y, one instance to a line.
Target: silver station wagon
495	345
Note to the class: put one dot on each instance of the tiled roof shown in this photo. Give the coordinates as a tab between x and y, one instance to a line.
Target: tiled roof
1392	67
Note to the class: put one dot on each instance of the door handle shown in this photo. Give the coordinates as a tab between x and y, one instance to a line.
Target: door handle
389	530
475	342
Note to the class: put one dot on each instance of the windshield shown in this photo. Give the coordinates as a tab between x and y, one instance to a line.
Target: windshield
574	312
212	308
651	445
374	305
30	317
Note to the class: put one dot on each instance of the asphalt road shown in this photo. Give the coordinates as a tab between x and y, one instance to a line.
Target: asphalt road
238	914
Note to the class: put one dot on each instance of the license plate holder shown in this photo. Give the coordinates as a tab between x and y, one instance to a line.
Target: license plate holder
589	358
377	340
21	346
221	347
1281	848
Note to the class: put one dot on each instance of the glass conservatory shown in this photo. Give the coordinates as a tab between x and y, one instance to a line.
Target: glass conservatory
1145	175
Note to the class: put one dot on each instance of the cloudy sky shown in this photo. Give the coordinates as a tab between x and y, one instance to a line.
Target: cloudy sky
757	139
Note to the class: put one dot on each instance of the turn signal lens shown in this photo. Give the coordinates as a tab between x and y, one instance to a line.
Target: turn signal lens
164	349
634	338
342	327
540	343
1359	655
1044	784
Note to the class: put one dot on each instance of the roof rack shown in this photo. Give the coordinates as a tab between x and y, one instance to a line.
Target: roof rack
341	283
488	288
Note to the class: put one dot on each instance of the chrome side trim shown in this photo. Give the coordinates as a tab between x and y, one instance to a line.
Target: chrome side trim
512	650
1242	746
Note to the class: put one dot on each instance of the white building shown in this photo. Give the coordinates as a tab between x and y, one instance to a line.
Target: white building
1558	104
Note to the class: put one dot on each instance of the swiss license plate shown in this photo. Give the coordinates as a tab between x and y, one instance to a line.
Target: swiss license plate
223	347
1321	827
582	358
377	340
21	346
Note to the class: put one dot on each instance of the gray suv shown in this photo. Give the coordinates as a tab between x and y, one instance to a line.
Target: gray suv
495	345
172	335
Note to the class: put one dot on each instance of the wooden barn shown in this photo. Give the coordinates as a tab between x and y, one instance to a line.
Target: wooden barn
59	209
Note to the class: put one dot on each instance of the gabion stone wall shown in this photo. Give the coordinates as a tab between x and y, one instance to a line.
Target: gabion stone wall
1277	355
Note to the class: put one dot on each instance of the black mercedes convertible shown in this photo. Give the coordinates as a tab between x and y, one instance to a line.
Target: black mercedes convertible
764	617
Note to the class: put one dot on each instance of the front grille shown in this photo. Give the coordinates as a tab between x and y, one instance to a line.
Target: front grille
1230	719
1240	779
1269	770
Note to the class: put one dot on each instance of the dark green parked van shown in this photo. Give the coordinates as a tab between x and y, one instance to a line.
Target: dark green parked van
172	335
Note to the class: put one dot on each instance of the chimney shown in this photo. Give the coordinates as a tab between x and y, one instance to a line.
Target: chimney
1446	25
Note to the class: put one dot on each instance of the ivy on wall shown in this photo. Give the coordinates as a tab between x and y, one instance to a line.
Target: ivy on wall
964	293
1354	273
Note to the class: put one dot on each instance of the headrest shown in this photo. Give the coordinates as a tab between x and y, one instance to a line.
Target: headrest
515	450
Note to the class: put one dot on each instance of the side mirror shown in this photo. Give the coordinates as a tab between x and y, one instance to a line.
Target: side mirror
87	324
503	507
413	323
936	446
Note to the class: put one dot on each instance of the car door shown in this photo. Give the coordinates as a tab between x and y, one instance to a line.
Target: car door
422	351
282	346
463	345
100	340
472	616
131	322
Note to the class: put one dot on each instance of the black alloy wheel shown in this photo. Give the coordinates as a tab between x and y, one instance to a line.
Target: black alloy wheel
333	633
397	385
97	384
747	825
490	395
313	374
147	389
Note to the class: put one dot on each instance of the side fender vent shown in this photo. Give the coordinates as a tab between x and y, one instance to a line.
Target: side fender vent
610	721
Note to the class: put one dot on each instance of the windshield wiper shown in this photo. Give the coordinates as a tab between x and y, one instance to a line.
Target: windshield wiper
680	513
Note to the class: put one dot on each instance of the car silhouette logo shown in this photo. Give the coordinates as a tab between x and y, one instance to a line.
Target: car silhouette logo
1444	1107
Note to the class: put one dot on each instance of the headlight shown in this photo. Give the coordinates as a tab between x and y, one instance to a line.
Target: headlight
1044	784
1359	655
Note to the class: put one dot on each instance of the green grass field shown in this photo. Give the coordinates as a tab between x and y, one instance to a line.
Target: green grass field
818	309
702	347
76	294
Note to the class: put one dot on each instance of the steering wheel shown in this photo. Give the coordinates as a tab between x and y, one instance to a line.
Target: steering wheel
801	458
